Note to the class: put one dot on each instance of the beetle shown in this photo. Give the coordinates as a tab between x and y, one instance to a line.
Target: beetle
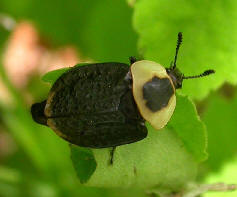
103	105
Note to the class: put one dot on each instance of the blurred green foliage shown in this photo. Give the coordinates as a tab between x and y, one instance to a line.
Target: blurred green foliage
52	76
195	140
103	31
209	29
227	174
220	119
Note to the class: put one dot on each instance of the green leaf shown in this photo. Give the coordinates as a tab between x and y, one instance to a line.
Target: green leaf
84	162
189	128
154	157
220	119
209	41
107	34
52	76
161	157
165	156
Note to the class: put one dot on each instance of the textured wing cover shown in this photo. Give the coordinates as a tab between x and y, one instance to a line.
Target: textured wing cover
92	106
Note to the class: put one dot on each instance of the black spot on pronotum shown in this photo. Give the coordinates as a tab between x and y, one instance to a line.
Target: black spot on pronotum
157	93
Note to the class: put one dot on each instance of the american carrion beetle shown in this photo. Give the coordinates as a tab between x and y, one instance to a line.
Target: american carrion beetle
106	104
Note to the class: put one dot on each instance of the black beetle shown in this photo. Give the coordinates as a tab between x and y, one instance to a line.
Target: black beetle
103	105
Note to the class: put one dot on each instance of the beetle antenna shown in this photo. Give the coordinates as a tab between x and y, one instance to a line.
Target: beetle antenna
205	73
179	41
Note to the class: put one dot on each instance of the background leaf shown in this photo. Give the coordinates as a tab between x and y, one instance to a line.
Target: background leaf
209	40
220	119
191	130
228	175
163	156
52	76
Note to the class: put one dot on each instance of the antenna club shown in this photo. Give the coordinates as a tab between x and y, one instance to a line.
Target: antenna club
180	37
208	72
179	41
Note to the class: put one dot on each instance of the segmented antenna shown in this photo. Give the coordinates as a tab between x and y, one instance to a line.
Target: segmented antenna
205	73
179	41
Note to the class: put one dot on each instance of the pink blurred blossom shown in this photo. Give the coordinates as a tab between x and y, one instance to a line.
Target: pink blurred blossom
26	54
64	57
22	54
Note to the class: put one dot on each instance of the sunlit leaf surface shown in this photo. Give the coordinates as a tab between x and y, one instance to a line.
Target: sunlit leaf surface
209	41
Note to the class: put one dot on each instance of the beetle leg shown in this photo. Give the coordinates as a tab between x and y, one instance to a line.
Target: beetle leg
132	59
112	155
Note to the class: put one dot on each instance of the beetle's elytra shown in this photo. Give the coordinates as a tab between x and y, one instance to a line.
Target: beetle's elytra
106	104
